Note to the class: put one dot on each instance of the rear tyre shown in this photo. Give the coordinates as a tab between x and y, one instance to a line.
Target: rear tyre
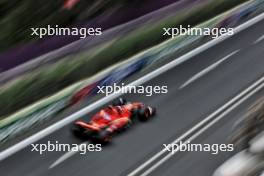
77	130
80	132
104	137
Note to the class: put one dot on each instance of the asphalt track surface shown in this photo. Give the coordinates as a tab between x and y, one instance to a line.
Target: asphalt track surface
178	111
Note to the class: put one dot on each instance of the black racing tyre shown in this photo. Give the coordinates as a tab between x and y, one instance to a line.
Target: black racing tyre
119	102
145	114
77	130
104	137
80	132
152	111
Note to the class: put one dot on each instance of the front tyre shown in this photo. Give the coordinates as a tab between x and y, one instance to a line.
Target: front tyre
145	114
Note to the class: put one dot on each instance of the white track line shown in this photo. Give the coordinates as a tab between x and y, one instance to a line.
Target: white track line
197	126
214	121
259	39
45	132
66	156
207	70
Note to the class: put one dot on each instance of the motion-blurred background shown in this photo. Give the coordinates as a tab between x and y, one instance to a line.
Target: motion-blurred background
43	77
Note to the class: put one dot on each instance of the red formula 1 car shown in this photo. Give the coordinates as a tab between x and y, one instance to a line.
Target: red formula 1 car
114	118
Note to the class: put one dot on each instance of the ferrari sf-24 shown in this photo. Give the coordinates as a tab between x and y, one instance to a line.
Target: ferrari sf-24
112	119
